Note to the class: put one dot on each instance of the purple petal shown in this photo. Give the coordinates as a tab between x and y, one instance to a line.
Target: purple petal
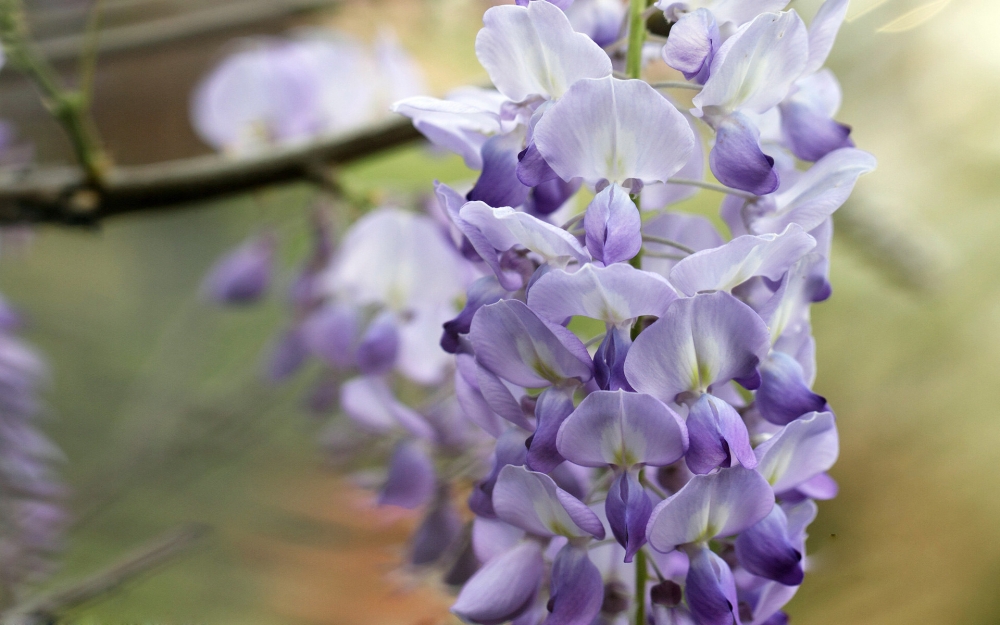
765	550
550	196
805	448
623	430
470	397
818	192
411	477
823	32
437	532
500	398
659	195
485	290
783	395
287	355
613	226
737	159
628	508
692	44
533	502
609	360
332	333
512	342
504	228
534	51
504	588
601	20
371	405
615	294
755	68
820	486
595	132
711	590
809	133
718	436
728	266
692	231
577	588
498	185
509	450
551	410
701	341
379	346
532	170
243	275
719	504
493	537
460	123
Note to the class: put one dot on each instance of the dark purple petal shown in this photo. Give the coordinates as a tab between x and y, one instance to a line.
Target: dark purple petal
379	346
718	436
803	449
783	395
551	410
765	550
778	618
504	588
485	290
411	477
438	530
609	360
809	133
287	355
622	430
711	590
332	334
509	450
628	508
692	44
737	159
498	185
700	341
577	588
719	504
244	275
532	170
549	196
613	226
512	342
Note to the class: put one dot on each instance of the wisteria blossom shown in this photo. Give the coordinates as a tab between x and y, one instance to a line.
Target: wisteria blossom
628	398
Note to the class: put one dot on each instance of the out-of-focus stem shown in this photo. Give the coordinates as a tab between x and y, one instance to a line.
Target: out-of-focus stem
712	187
91	49
636	37
70	108
676	84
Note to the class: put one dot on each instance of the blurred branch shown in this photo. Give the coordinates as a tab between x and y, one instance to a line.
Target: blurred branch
64	194
166	30
42	610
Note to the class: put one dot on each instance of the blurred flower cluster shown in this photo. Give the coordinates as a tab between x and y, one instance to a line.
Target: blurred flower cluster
286	90
667	466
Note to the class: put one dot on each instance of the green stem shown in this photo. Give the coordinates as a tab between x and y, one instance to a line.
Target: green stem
641	574
712	187
91	49
676	84
70	108
649	238
636	37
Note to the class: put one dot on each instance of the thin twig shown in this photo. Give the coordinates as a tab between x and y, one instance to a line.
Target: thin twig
649	238
675	84
712	187
63	194
91	50
147	557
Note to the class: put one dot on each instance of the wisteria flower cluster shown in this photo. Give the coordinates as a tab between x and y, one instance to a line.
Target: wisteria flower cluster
667	469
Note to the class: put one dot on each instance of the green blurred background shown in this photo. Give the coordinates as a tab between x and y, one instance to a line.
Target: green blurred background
156	399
